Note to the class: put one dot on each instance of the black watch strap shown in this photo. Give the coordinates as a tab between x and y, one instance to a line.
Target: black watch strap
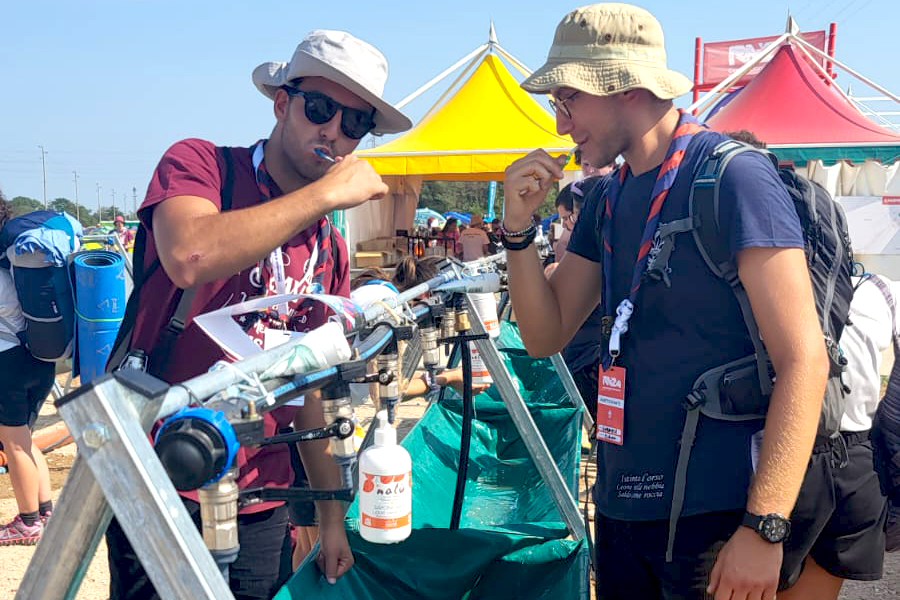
773	528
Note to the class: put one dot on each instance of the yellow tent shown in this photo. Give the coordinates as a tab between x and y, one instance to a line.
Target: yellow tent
483	127
486	125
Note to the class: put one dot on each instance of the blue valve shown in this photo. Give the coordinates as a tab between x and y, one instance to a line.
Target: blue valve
197	446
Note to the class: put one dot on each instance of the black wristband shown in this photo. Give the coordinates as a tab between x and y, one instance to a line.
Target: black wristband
510	245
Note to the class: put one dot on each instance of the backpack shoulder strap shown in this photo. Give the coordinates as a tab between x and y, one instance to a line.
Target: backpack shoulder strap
891	302
122	344
184	298
176	323
704	209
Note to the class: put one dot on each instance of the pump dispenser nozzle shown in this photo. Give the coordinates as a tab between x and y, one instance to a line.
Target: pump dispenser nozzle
385	434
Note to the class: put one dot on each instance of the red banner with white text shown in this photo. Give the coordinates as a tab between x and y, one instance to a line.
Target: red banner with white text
721	59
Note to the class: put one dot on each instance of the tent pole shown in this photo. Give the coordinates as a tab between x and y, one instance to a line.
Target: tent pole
698	46
829	81
519	65
865	80
437	79
832	34
824	73
701	105
452	87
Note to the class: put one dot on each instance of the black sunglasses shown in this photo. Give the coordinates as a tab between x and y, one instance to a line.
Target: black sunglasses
319	109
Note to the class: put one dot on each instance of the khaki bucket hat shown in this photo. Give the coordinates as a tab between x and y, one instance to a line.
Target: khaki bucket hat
604	49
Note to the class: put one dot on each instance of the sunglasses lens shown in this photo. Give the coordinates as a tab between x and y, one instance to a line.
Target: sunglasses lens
319	109
356	123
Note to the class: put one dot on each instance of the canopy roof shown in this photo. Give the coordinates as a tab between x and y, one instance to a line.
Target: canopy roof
789	104
487	124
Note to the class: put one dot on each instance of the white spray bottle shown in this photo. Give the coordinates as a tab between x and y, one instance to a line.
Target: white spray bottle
385	487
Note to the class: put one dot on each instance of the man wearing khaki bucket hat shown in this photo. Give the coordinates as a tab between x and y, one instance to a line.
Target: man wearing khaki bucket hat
223	224
663	532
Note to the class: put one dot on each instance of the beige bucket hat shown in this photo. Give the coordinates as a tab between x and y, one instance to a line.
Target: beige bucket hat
604	49
343	59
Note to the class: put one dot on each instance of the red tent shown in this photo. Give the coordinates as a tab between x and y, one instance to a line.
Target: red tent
788	104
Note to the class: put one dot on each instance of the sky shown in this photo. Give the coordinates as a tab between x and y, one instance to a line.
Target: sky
105	86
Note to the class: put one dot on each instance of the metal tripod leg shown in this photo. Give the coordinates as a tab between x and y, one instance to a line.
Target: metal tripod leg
531	435
569	384
103	418
79	519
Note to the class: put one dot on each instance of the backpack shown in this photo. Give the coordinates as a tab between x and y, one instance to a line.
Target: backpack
35	248
153	360
885	434
740	390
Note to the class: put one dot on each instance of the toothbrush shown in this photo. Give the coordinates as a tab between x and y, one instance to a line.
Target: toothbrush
563	163
323	155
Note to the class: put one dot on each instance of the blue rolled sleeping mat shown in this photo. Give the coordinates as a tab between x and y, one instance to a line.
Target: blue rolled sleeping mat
99	307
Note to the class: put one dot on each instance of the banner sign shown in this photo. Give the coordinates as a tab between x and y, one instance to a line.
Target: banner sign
721	59
874	223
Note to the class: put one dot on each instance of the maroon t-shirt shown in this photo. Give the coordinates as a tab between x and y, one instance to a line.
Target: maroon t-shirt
192	168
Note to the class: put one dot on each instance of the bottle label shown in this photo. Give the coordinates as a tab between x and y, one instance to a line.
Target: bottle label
385	501
480	373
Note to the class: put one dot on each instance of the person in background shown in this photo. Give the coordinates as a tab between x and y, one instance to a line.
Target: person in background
568	215
411	272
493	233
588	170
125	235
450	233
26	382
324	101
582	353
474	241
840	513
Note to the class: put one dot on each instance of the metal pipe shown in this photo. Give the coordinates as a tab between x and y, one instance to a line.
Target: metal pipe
865	80
218	518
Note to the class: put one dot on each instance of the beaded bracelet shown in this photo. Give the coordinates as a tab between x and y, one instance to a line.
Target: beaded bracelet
527	231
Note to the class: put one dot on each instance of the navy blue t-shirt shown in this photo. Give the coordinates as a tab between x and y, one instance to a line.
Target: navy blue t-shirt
677	333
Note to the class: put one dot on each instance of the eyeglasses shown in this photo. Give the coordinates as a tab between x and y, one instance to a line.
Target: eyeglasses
319	109
559	106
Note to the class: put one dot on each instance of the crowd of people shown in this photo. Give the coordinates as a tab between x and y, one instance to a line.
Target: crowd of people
758	515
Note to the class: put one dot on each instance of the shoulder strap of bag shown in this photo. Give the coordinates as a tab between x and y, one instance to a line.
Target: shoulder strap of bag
703	223
177	321
184	298
891	302
704	208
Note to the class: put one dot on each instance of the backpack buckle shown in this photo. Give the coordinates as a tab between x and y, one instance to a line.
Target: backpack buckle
694	400
175	326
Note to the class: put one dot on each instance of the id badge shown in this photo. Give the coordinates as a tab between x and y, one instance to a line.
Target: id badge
611	405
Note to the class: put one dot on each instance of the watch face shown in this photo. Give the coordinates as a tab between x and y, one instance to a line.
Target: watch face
774	528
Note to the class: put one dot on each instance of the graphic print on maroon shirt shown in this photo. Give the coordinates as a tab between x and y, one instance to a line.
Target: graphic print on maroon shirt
193	168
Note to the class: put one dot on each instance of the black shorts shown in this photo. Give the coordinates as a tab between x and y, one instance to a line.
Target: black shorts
839	516
631	556
25	383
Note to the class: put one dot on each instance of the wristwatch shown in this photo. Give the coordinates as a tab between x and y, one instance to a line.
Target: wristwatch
773	528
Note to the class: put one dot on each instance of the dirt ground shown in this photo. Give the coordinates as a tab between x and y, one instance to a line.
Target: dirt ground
15	559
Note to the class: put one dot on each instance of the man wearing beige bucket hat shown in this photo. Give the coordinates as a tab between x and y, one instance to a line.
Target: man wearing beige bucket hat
663	532
225	224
